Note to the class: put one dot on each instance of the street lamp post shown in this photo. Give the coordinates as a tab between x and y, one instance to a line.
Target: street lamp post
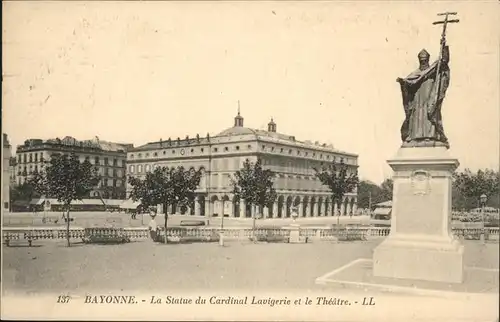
221	234
483	200
294	215
222	219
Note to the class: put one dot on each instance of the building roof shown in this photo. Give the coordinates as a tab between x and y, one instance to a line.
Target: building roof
94	143
236	130
116	147
239	130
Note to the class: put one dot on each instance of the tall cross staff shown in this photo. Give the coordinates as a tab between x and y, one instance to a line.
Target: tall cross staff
444	22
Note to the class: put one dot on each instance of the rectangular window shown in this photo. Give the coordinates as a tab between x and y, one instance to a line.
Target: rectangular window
105	161
132	169
115	162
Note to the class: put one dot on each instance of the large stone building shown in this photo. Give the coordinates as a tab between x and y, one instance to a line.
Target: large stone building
6	154
109	157
222	155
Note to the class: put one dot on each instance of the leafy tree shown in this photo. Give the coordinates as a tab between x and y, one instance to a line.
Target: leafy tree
169	187
387	188
24	192
340	182
468	188
368	190
66	179
255	185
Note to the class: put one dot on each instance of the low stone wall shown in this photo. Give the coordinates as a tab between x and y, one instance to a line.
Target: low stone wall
230	234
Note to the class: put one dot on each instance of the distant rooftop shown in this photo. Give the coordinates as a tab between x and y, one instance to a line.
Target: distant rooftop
94	143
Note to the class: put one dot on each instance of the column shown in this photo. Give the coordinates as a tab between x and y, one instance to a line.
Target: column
242	208
218	208
265	212
327	209
230	209
335	209
283	210
320	208
275	209
355	207
207	208
300	211
313	209
197	207
342	208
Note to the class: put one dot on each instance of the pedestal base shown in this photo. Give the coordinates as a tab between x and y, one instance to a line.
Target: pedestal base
420	245
295	235
427	260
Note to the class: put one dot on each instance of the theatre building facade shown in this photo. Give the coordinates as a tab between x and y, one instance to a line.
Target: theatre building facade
220	156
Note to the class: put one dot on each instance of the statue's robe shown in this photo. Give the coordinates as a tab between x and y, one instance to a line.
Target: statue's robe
422	106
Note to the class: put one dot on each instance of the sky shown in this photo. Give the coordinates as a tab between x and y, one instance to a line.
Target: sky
136	72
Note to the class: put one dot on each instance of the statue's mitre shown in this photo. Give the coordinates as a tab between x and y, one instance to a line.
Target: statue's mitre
423	54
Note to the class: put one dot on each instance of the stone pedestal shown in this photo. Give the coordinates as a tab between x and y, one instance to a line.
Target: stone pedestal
294	234
421	245
221	238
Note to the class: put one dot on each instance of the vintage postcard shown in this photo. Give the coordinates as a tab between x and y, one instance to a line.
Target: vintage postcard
250	160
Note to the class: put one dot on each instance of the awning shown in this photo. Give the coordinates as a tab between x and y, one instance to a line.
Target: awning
93	202
113	202
382	211
130	204
37	201
386	204
77	202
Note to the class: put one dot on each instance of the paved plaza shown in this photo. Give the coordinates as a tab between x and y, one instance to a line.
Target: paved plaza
187	267
93	219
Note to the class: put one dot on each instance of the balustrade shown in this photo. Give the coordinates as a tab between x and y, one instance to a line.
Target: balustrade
30	234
